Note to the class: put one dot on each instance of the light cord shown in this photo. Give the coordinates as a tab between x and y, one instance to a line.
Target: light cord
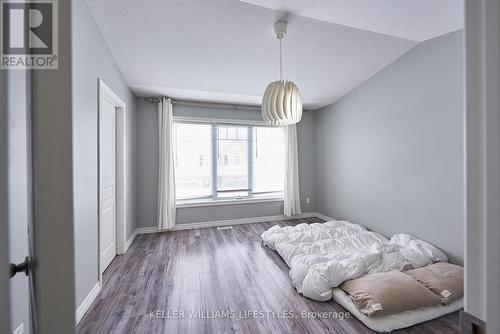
281	62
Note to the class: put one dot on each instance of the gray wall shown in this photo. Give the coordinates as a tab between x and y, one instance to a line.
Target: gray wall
147	170
390	153
52	188
92	61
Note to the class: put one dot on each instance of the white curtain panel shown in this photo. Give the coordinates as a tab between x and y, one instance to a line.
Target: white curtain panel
291	189
166	177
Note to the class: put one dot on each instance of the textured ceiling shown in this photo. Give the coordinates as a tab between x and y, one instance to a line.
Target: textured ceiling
416	20
225	50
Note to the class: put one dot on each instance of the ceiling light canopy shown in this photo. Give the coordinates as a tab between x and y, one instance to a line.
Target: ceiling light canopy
282	103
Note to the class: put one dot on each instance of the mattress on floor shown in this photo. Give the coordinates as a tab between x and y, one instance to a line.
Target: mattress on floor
391	322
322	256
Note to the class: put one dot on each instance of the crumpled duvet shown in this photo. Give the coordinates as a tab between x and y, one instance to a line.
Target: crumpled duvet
322	256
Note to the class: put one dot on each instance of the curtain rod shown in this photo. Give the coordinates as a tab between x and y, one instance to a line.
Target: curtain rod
209	104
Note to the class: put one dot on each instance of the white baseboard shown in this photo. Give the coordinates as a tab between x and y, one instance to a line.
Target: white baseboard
130	240
217	223
84	306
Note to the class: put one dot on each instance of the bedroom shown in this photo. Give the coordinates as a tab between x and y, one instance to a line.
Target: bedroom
255	166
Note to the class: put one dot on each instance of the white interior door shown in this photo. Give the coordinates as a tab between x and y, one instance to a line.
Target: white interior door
19	199
107	191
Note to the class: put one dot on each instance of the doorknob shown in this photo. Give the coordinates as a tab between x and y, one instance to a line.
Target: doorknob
18	268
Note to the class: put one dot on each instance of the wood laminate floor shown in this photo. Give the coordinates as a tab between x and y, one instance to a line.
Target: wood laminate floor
214	281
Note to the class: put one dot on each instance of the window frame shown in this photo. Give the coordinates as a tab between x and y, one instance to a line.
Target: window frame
214	199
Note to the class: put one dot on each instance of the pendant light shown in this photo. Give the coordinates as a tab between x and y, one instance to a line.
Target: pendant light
282	103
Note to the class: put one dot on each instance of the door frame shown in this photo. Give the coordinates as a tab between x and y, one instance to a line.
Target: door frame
482	145
121	185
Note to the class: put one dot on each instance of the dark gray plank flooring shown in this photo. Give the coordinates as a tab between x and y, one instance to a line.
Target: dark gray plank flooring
204	271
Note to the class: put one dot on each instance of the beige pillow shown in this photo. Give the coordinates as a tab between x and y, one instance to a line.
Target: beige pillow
446	280
387	293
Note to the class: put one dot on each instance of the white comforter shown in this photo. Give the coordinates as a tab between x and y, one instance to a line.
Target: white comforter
322	256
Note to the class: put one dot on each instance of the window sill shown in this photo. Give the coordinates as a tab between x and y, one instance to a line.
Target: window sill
232	201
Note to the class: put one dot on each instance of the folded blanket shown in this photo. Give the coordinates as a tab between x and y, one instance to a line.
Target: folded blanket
388	293
323	256
446	280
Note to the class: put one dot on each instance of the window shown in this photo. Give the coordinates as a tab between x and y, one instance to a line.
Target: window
269	162
232	161
193	170
228	161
